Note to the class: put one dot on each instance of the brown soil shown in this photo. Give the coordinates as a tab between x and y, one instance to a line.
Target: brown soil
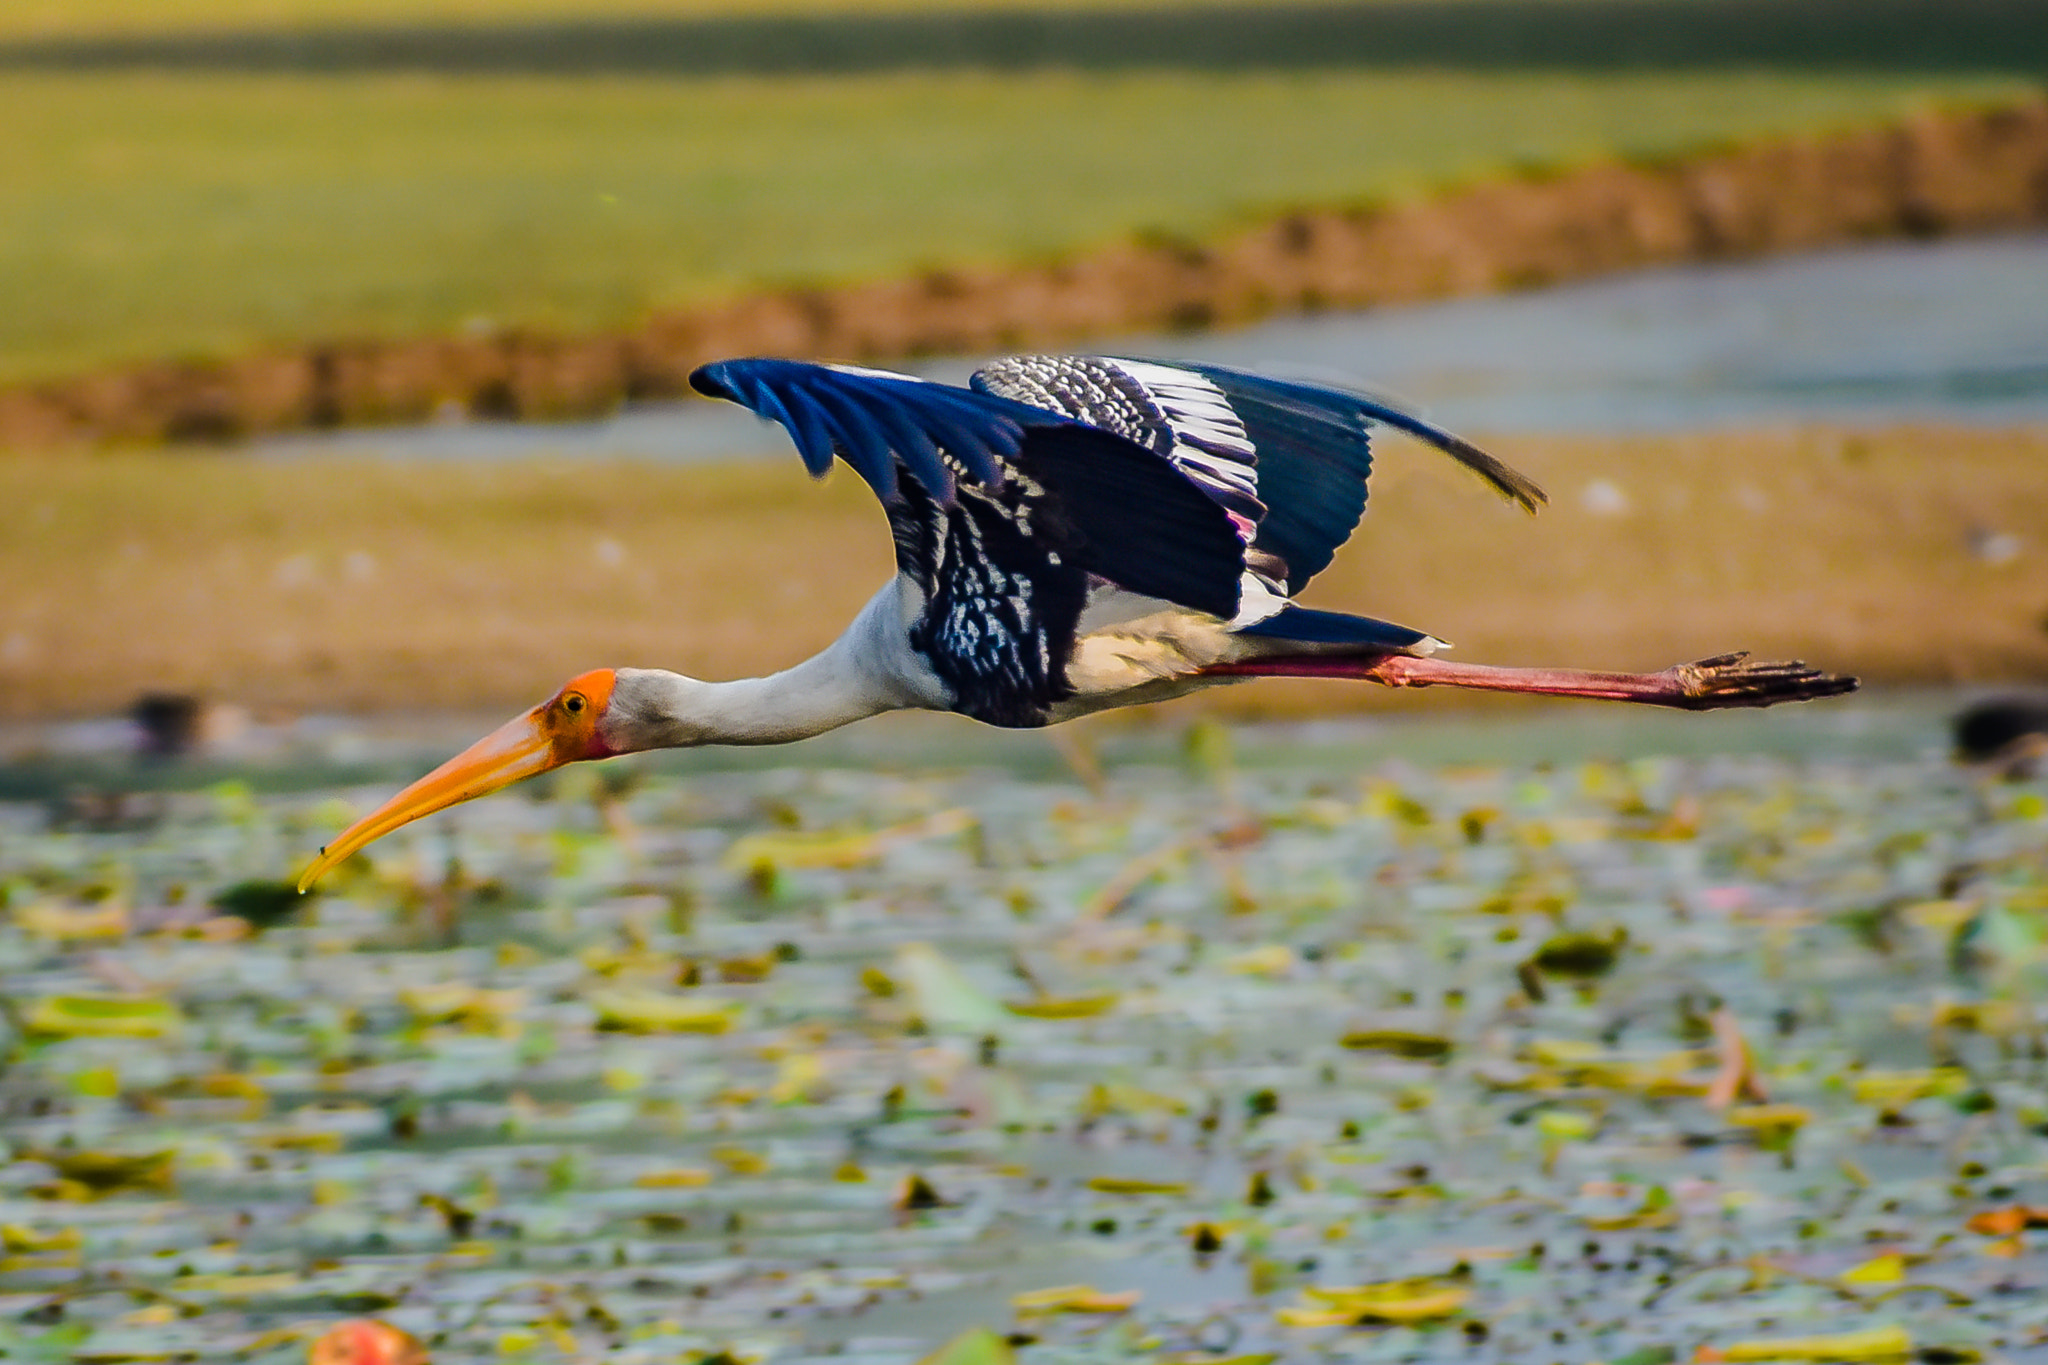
1940	173
1907	556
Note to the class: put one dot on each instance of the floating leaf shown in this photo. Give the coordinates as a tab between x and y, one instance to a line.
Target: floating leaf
1770	1116
70	924
638	1011
20	1239
1418	1299
838	849
799	1078
916	1194
1875	1343
457	1003
1890	1089
676	1178
978	1346
741	1161
1399	1042
2009	1220
1076	1007
1583	955
101	1016
1655	1211
1274	960
1116	1184
1074	1298
239	1286
101	1173
1566	1125
1889	1268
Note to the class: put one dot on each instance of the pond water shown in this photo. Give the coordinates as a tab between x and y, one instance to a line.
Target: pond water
1336	1043
1946	331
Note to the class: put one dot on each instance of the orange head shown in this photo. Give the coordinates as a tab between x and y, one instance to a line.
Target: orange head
563	729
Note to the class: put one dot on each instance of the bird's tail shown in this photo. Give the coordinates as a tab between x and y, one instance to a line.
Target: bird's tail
1323	629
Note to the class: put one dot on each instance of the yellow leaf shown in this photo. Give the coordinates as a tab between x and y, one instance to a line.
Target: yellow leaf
1119	1097
1770	1116
1076	1007
1566	1125
632	1011
1666	1217
1074	1298
298	1140
1315	1317
1561	1051
22	1239
96	1082
105	1172
979	1346
1275	959
1890	1089
1116	1184
44	920
233	1085
239	1286
155	1315
1416	1299
798	1078
92	1016
836	848
739	1160
1943	917
1399	1042
1887	1269
678	1178
456	1002
1876	1343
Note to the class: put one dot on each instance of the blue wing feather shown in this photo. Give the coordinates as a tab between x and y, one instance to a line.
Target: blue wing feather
874	420
1315	455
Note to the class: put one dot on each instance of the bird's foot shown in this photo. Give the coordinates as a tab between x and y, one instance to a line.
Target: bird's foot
1729	680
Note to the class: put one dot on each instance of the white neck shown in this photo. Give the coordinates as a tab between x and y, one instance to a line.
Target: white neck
857	676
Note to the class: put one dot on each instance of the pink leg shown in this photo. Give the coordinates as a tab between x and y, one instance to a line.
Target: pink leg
1708	685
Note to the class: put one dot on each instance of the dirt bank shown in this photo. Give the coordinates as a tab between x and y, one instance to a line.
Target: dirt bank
1960	171
1907	556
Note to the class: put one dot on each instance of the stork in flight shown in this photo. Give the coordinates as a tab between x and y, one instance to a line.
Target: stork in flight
1073	533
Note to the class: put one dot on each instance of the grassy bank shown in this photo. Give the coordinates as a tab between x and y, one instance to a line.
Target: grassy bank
162	215
67	18
378	586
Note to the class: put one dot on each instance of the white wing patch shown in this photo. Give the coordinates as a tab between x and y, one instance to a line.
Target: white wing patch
1212	449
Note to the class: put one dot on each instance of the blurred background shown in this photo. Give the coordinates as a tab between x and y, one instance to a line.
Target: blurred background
341	366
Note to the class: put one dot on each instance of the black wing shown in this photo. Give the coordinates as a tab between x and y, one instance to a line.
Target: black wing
1289	460
1009	517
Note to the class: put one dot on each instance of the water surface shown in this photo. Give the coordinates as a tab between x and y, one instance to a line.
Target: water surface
1938	332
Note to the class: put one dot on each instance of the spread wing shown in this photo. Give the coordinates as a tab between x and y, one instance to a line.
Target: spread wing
1288	460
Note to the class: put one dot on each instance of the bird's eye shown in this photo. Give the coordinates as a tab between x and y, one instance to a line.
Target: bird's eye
572	703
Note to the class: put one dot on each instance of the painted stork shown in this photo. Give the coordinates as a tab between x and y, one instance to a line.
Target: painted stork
1073	533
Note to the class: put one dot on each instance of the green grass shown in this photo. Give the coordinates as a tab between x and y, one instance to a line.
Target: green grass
72	18
154	215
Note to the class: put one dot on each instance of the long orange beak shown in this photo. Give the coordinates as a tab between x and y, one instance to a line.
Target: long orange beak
517	749
560	730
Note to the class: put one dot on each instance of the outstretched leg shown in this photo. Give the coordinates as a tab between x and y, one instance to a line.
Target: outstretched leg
1709	685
